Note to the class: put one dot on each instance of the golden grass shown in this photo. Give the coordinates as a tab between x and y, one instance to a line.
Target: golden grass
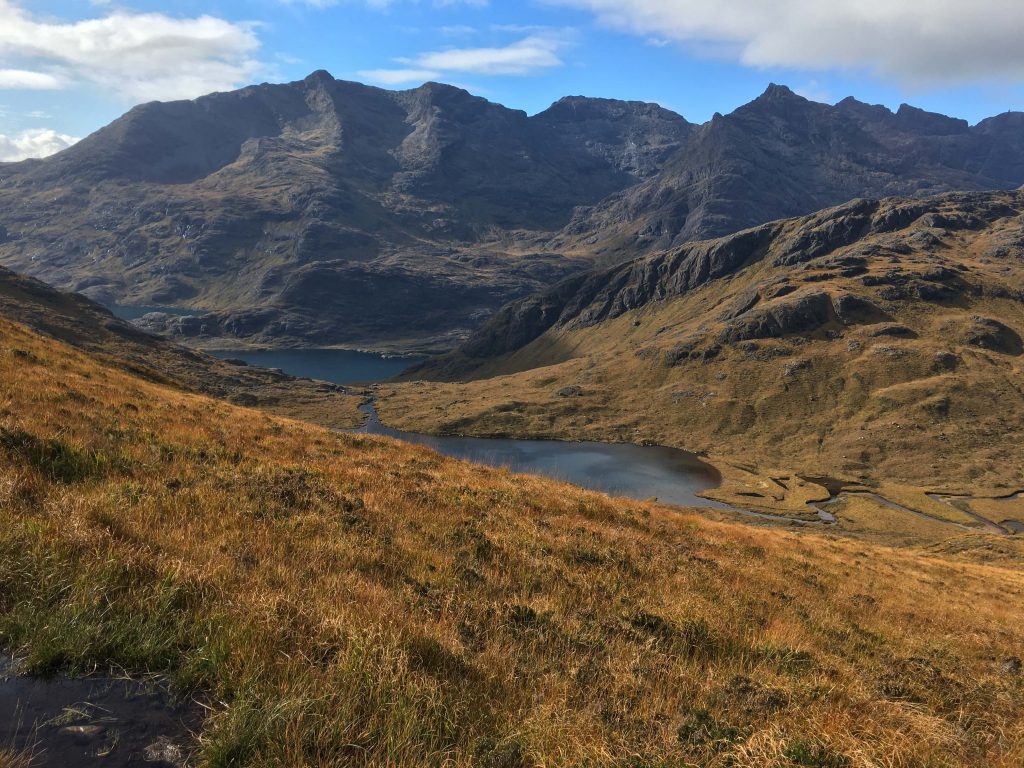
14	759
350	600
845	401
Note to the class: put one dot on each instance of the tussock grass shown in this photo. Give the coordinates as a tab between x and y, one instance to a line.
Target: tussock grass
349	600
15	759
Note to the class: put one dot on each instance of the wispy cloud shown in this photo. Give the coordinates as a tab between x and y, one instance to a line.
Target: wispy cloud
23	79
527	56
398	76
35	142
913	41
139	56
520	58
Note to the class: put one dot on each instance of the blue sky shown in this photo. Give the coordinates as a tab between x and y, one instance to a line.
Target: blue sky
67	68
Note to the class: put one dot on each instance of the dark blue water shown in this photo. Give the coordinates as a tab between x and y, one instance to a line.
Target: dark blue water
340	366
620	469
634	471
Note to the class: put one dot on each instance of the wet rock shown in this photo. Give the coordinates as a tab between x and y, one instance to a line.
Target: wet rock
165	751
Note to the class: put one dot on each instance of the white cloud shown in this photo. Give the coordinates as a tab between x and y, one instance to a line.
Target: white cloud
914	41
814	91
139	56
519	58
35	142
523	57
11	79
398	76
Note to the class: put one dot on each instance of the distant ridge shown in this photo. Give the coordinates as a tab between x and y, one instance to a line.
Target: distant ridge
330	212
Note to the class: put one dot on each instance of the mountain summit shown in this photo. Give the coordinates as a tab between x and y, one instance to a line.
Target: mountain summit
331	212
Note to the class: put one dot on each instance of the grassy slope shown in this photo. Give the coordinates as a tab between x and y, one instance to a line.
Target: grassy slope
835	400
350	600
76	320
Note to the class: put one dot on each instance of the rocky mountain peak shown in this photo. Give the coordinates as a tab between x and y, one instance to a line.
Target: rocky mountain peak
266	202
863	110
320	76
779	101
582	108
929	123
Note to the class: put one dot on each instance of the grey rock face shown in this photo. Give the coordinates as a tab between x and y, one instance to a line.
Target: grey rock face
770	311
782	155
324	211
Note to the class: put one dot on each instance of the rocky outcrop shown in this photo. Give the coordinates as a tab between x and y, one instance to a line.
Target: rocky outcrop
783	155
986	333
798	314
850	248
324	211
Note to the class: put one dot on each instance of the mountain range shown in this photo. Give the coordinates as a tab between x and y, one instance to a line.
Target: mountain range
325	212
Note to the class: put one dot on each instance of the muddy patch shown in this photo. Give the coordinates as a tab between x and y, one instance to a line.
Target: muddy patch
94	721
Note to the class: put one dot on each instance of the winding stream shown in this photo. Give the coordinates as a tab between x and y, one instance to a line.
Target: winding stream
670	475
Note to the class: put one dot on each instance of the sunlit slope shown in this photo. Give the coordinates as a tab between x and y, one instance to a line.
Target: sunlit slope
84	324
348	600
878	341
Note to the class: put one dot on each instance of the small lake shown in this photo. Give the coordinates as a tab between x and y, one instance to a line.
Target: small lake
621	469
340	366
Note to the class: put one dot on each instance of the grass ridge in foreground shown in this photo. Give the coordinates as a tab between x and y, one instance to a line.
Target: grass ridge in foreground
343	599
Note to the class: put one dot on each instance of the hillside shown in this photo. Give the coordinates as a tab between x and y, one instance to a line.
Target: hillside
782	155
875	342
337	599
75	320
324	212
